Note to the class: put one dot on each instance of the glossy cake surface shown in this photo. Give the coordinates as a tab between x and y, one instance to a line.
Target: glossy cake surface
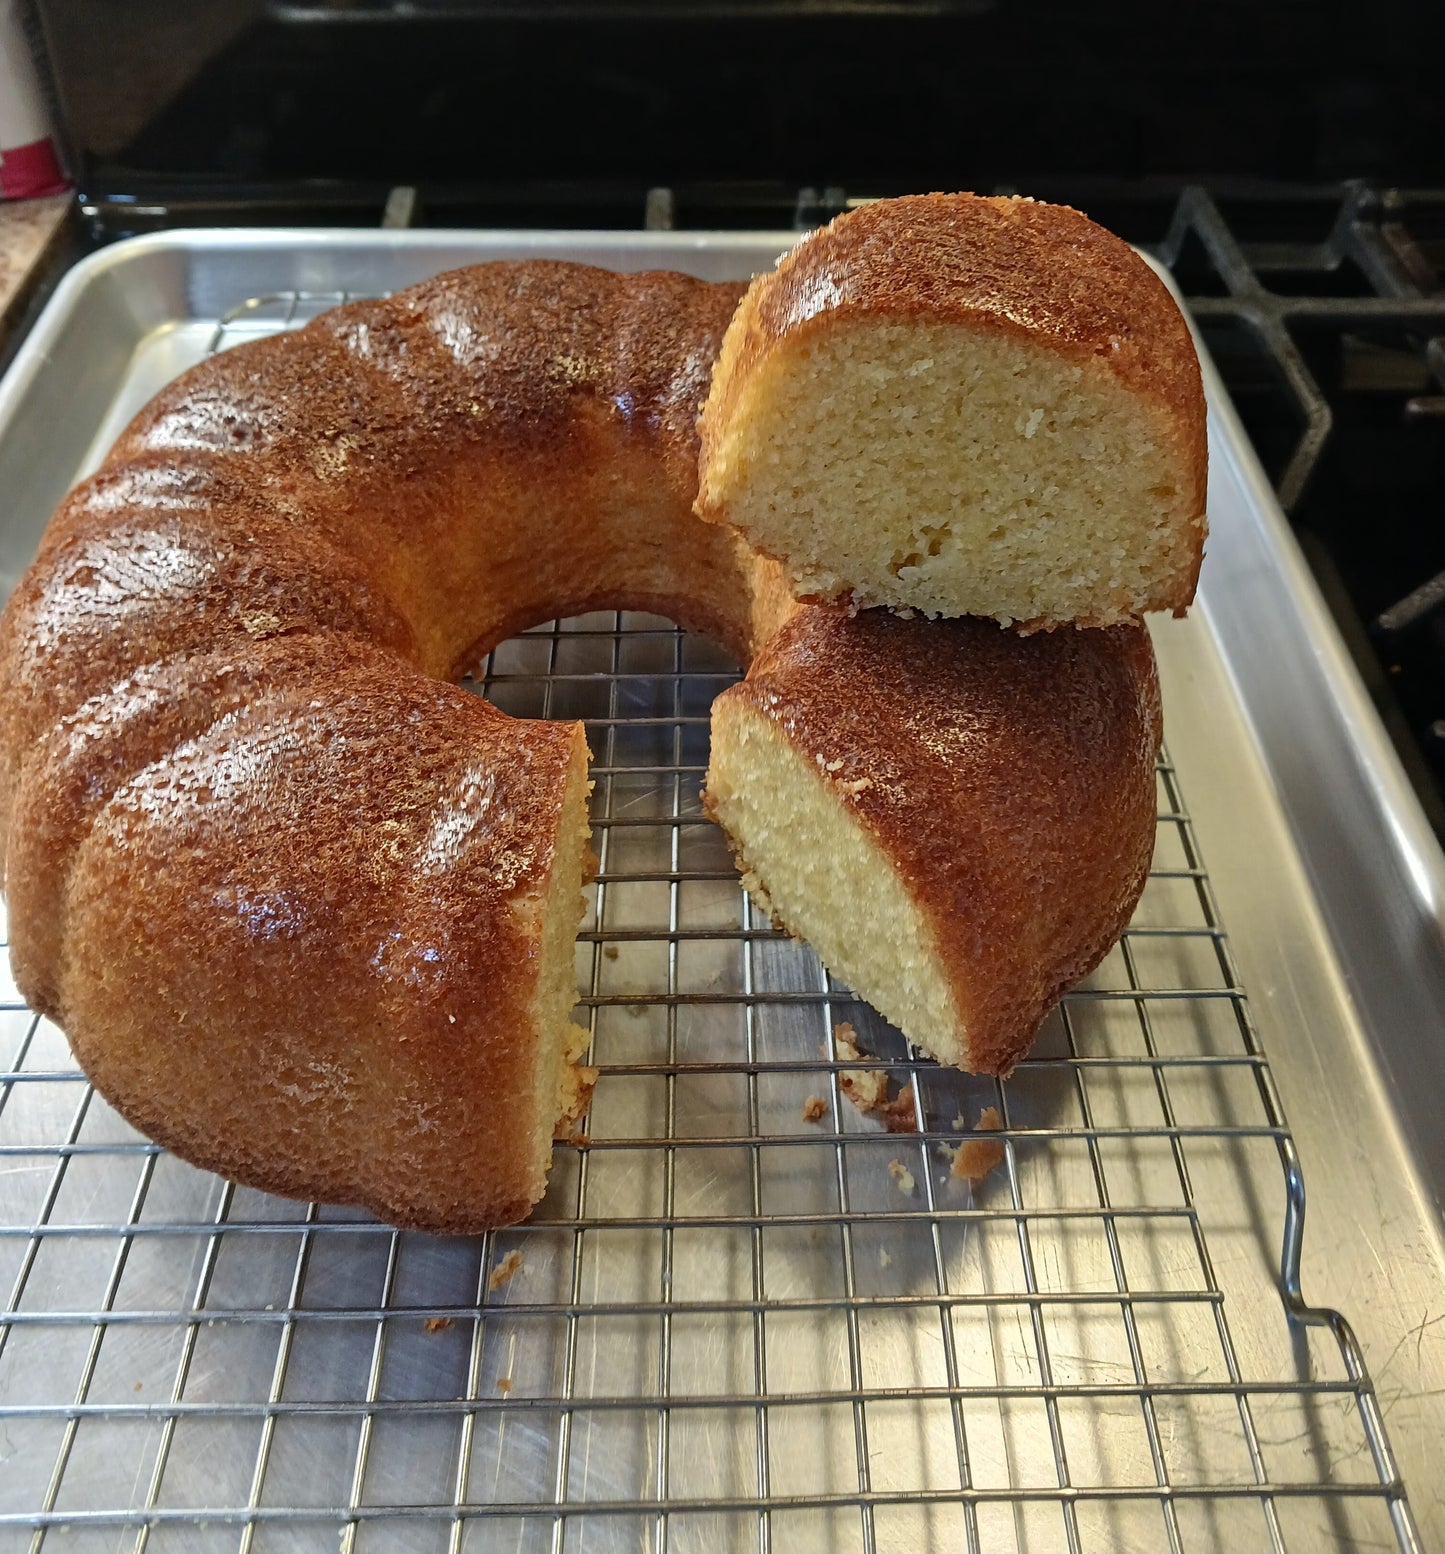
306	910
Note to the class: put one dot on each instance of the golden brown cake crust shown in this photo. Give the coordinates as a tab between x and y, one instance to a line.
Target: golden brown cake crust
323	888
523	395
498	353
1009	778
994	262
114	591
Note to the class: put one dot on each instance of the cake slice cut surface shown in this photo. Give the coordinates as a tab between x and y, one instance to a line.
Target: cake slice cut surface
821	866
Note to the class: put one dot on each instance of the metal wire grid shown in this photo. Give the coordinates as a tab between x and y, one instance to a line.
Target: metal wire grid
731	1328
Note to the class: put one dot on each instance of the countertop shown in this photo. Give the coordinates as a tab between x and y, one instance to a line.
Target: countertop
27	230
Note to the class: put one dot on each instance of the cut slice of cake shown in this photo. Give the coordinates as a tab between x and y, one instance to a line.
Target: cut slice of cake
961	877
964	406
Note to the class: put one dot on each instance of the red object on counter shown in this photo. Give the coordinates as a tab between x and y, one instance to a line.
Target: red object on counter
26	172
29	166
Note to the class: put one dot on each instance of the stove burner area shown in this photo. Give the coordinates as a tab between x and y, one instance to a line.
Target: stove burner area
1332	350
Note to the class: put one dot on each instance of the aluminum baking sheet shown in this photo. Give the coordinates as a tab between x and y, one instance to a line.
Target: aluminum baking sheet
732	1327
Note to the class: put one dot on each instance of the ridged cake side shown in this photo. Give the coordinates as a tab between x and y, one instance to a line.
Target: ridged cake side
308	947
305	912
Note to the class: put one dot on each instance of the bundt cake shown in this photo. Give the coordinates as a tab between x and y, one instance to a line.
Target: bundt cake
964	406
962	817
306	910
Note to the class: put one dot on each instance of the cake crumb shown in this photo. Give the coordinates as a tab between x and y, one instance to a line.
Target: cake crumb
569	1129
437	1324
580	1079
975	1158
902	1175
845	1039
611	951
504	1385
900	1115
866	1088
505	1271
814	1107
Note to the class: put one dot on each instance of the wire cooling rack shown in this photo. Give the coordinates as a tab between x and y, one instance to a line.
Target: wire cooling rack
745	1317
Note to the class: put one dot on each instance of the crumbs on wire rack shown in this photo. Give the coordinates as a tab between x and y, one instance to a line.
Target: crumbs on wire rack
902	1175
900	1115
815	1108
975	1158
505	1270
867	1088
437	1324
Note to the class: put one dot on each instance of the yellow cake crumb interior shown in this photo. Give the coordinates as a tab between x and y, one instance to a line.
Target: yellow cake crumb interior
956	471
787	822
